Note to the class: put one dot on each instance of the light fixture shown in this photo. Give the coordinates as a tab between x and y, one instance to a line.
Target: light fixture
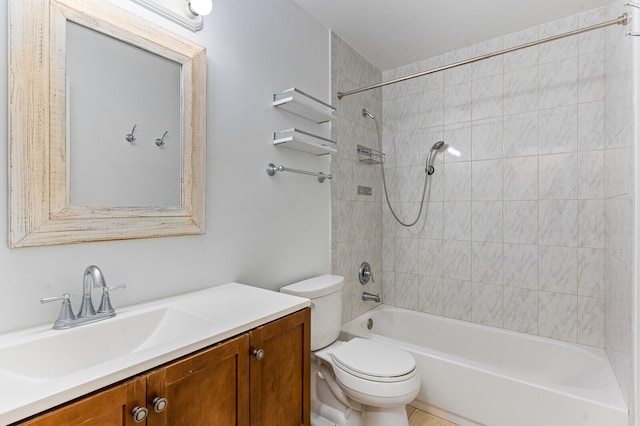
199	7
187	13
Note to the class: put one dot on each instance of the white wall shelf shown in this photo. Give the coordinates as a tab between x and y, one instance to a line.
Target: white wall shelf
304	105
304	141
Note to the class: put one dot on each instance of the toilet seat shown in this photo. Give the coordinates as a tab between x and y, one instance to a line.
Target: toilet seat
375	361
373	379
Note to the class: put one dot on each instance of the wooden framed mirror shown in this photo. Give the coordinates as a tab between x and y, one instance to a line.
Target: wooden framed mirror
42	210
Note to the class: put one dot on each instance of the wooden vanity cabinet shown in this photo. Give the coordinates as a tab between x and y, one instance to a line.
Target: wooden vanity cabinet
230	383
206	389
280	381
110	407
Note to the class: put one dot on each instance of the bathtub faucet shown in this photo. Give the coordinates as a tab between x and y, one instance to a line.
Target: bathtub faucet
368	296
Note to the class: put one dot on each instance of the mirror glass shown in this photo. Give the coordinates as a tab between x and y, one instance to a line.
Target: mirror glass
113	86
82	75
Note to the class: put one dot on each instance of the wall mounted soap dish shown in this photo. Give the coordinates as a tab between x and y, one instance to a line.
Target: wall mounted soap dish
370	156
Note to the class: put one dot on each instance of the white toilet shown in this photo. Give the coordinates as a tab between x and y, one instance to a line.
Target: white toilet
356	383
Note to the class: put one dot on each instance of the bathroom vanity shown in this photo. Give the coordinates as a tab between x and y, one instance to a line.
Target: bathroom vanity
252	369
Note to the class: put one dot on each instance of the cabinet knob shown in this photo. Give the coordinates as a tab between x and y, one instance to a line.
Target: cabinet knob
159	404
258	353
139	414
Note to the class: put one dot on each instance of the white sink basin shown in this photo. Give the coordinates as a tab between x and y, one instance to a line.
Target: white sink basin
70	351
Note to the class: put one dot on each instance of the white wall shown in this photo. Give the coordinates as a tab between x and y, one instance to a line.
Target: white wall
263	231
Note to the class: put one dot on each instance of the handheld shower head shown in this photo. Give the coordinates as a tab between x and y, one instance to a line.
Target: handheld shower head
366	113
437	146
429	163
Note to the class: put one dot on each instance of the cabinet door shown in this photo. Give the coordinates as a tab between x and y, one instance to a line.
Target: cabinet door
279	381
110	407
208	388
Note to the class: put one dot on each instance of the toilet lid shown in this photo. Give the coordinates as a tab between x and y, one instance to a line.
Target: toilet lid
371	359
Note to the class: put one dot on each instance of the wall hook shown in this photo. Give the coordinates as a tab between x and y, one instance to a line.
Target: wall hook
130	137
160	142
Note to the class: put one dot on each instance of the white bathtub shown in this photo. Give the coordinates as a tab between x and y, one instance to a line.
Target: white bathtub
474	374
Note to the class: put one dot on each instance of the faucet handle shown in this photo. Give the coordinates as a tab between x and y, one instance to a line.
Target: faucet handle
66	313
370	275
105	303
365	273
64	297
115	287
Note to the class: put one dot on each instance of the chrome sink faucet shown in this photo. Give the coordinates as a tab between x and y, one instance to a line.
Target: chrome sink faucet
92	277
92	274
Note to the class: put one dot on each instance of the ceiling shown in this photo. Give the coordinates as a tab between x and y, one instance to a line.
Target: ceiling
391	33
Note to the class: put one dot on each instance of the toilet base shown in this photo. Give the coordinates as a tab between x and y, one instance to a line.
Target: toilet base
329	416
327	410
376	416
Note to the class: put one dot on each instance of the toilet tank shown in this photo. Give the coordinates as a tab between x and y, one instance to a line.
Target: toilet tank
325	293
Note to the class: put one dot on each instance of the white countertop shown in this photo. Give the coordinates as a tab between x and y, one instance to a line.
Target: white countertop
231	309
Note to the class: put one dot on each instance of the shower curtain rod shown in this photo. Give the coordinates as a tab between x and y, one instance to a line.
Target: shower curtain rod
621	20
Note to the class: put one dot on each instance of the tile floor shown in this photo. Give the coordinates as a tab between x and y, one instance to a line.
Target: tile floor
420	418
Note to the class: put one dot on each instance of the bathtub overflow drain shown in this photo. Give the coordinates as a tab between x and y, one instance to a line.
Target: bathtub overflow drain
369	323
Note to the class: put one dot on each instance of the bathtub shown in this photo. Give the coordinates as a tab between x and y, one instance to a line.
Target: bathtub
474	374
